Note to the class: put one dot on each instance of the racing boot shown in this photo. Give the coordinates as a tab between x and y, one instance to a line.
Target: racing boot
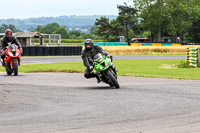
94	74
111	85
98	79
3	64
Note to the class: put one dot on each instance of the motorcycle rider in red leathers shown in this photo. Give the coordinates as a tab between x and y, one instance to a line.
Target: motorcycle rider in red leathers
8	38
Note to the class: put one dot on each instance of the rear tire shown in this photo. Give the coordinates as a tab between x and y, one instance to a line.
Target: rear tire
113	79
15	68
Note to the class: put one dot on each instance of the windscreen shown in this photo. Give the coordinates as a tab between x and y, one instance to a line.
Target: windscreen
98	58
12	47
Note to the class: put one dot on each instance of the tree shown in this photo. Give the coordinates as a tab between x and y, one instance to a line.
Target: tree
127	18
194	31
38	29
61	30
103	27
53	28
87	35
93	29
3	28
75	33
171	16
49	28
116	28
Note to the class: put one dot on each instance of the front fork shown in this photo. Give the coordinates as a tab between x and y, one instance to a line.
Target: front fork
11	62
102	75
115	70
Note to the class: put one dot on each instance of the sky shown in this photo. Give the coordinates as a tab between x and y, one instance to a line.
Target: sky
22	9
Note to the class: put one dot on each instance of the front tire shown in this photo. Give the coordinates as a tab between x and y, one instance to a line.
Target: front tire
15	68
113	79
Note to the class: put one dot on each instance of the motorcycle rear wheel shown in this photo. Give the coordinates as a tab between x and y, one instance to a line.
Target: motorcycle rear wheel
113	79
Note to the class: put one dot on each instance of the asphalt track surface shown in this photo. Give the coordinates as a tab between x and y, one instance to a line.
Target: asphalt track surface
58	59
69	103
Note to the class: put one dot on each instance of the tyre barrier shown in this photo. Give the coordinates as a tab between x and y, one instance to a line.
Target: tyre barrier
26	51
52	51
193	56
32	51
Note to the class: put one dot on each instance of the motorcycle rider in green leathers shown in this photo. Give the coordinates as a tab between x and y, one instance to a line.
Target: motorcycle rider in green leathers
87	56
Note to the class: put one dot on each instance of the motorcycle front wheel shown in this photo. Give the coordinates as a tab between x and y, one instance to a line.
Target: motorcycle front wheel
15	68
113	79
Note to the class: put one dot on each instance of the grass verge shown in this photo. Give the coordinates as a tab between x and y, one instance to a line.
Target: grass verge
155	68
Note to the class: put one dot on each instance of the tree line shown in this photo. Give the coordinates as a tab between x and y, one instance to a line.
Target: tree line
142	19
55	28
3	28
153	19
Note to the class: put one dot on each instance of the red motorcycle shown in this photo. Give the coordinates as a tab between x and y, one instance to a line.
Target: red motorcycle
12	59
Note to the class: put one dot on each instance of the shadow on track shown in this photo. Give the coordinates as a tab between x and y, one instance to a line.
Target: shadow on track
100	88
12	75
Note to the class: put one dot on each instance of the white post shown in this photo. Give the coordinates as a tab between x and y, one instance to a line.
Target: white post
49	40
59	40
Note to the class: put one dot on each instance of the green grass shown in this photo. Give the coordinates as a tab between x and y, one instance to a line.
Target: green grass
53	67
156	68
153	54
113	55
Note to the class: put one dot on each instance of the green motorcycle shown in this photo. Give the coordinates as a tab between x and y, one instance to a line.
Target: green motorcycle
106	70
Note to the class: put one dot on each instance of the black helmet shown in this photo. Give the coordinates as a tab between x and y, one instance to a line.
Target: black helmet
8	33
88	44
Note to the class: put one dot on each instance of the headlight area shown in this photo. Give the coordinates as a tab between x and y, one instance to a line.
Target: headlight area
10	54
17	54
100	68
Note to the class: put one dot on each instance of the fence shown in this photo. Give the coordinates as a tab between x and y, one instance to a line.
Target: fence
52	51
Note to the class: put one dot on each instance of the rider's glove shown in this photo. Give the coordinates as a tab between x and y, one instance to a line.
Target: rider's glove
2	51
91	68
106	53
108	56
103	52
90	60
21	50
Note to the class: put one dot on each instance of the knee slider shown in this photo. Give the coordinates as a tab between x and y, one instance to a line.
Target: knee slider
87	76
